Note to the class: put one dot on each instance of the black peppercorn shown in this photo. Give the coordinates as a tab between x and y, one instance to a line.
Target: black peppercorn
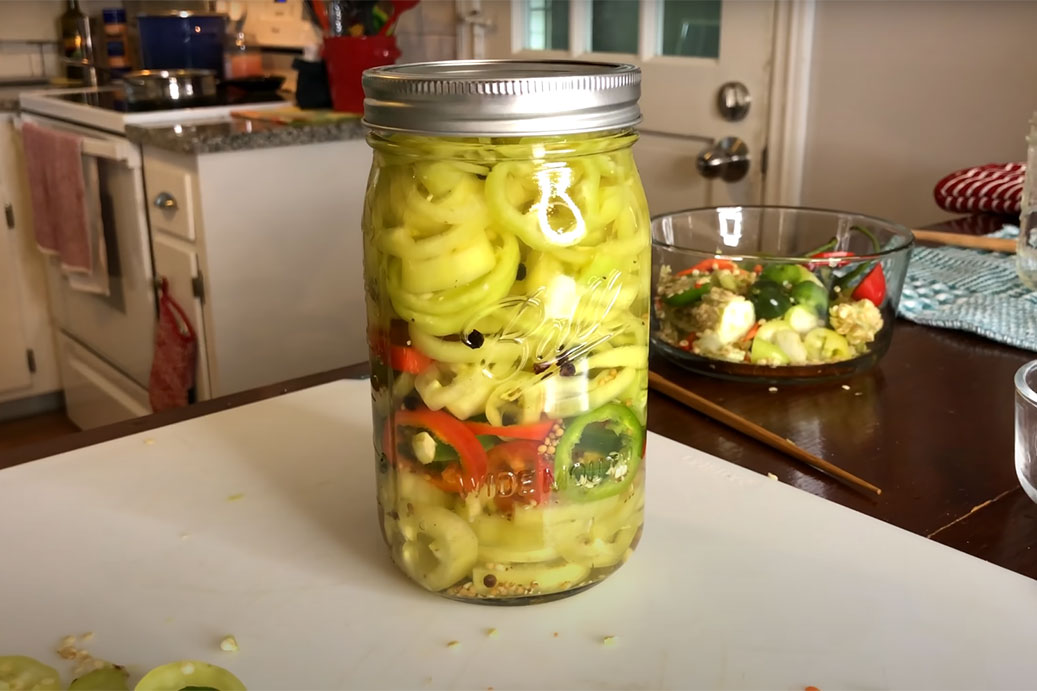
474	339
489	580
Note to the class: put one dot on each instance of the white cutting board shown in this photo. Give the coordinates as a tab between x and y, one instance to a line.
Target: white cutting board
739	582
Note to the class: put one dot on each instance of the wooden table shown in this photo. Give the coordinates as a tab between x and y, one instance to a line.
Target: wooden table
932	425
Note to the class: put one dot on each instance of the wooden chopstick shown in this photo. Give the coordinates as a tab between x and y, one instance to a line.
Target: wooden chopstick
726	417
979	242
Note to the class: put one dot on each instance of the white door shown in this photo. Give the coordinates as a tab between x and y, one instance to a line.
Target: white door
687	50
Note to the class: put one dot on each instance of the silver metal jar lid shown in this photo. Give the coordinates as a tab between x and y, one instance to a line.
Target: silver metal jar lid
502	98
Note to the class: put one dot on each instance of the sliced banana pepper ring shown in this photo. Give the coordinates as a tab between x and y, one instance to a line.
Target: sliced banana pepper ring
438	547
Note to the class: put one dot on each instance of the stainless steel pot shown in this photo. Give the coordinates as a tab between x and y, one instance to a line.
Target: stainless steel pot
170	87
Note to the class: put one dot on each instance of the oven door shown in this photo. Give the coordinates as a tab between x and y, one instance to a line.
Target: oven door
118	328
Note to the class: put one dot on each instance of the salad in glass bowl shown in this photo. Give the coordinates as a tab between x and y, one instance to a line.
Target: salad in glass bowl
775	293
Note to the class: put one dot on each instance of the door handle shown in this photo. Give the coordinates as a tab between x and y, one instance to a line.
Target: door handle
727	159
164	200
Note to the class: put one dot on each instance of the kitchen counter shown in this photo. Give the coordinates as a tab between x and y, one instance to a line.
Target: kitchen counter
257	521
241	134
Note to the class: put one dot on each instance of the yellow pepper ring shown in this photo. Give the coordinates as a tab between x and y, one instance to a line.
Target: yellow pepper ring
534	226
446	312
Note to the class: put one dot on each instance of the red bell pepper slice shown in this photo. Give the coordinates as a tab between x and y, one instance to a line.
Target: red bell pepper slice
447	430
400	357
536	431
872	288
707	265
408	359
519	474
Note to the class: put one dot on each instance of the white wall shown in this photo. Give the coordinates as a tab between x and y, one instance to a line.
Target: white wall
903	93
36	21
428	32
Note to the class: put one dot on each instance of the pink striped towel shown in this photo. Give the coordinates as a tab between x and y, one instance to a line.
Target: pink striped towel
992	188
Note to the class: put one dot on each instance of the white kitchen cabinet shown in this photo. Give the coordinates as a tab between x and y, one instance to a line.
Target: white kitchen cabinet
28	365
15	370
270	239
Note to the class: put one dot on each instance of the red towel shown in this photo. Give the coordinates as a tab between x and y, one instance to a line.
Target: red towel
53	161
992	188
176	350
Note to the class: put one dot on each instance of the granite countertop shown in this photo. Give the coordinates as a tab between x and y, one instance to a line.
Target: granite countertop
241	134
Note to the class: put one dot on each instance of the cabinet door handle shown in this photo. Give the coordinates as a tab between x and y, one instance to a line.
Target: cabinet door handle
165	200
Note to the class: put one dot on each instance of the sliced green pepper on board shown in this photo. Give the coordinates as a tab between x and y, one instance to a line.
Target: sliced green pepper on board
105	679
587	472
22	672
189	673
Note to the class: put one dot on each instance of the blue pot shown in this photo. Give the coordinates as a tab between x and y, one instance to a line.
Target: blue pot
182	40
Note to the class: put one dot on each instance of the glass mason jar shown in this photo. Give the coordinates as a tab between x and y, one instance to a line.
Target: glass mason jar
507	266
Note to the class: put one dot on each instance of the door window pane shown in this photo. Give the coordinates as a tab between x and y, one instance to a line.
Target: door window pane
614	26
691	28
547	25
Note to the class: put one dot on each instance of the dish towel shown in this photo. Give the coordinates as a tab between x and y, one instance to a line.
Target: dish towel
971	290
991	188
66	219
176	350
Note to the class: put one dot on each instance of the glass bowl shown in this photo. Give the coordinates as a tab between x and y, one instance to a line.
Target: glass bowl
736	287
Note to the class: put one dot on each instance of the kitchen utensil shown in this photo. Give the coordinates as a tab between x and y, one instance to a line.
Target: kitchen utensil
399	7
1026	428
724	416
740	581
979	242
170	87
321	13
183	40
786	294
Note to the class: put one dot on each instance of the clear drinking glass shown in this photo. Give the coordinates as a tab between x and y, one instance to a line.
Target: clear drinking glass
1026	253
1026	427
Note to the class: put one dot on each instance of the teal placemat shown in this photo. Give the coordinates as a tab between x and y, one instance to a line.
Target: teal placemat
971	290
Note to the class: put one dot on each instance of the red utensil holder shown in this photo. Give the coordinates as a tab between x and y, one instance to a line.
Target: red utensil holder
347	57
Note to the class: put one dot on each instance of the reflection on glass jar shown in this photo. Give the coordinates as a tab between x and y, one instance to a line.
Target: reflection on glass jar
507	282
1026	252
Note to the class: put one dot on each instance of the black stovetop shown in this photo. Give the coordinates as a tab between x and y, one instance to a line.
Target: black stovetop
114	98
